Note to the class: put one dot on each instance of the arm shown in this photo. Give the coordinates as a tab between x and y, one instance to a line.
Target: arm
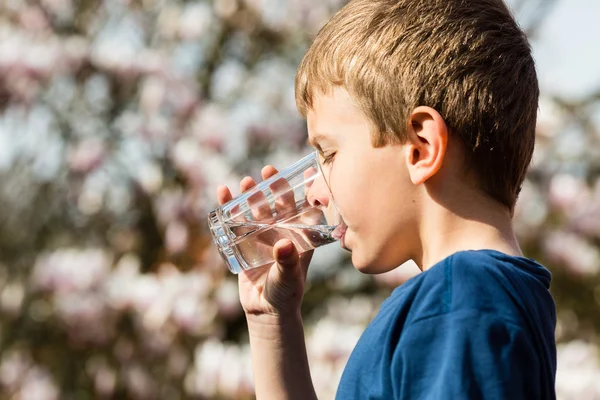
279	359
271	297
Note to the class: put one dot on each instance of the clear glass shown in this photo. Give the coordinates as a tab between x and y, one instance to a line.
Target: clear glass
286	205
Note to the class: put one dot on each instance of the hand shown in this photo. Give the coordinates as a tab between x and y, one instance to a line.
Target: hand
275	289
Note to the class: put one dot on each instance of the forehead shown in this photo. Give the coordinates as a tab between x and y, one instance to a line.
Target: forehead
332	112
335	101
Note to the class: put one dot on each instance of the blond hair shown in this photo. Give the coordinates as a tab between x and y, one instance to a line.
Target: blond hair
469	60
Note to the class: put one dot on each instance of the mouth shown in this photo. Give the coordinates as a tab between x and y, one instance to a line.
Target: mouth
339	233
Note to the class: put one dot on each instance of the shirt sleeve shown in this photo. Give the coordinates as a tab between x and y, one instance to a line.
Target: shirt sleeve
465	355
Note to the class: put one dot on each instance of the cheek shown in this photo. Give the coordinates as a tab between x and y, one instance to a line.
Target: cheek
364	195
347	183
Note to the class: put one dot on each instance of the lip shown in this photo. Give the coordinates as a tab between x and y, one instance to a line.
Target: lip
340	233
343	242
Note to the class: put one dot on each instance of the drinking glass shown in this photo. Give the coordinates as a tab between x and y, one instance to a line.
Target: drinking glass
295	204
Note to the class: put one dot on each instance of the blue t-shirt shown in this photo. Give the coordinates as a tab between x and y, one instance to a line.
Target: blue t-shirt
477	325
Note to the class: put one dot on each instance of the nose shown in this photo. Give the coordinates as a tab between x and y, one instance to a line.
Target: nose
318	194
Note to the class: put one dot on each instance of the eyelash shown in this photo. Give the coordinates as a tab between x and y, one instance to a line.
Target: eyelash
328	159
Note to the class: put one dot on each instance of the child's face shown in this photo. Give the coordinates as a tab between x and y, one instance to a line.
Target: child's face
371	186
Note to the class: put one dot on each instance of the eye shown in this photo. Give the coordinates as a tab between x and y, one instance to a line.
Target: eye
328	159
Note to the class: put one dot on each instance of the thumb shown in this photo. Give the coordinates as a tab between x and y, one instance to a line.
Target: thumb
286	255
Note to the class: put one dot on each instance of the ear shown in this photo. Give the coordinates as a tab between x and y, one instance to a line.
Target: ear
427	143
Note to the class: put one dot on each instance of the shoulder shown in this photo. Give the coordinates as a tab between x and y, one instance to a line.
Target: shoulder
488	313
479	278
476	281
491	263
482	311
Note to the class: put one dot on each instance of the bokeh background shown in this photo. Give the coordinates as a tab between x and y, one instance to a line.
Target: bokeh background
119	118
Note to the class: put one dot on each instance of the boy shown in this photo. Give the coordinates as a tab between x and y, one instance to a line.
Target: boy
424	114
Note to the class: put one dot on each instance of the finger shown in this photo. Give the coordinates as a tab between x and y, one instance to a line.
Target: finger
261	211
285	201
223	195
246	184
286	255
237	214
268	171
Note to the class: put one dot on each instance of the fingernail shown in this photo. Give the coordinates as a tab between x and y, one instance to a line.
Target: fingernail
286	250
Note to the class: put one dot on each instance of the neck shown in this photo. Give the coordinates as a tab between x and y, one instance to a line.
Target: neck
475	224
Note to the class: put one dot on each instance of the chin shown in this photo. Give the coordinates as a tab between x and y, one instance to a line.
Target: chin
364	265
373	264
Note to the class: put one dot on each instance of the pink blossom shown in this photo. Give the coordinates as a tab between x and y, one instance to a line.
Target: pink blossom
578	372
38	385
195	20
152	94
139	383
176	237
61	9
87	155
209	126
573	252
11	298
32	18
70	270
568	192
228	300
13	366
